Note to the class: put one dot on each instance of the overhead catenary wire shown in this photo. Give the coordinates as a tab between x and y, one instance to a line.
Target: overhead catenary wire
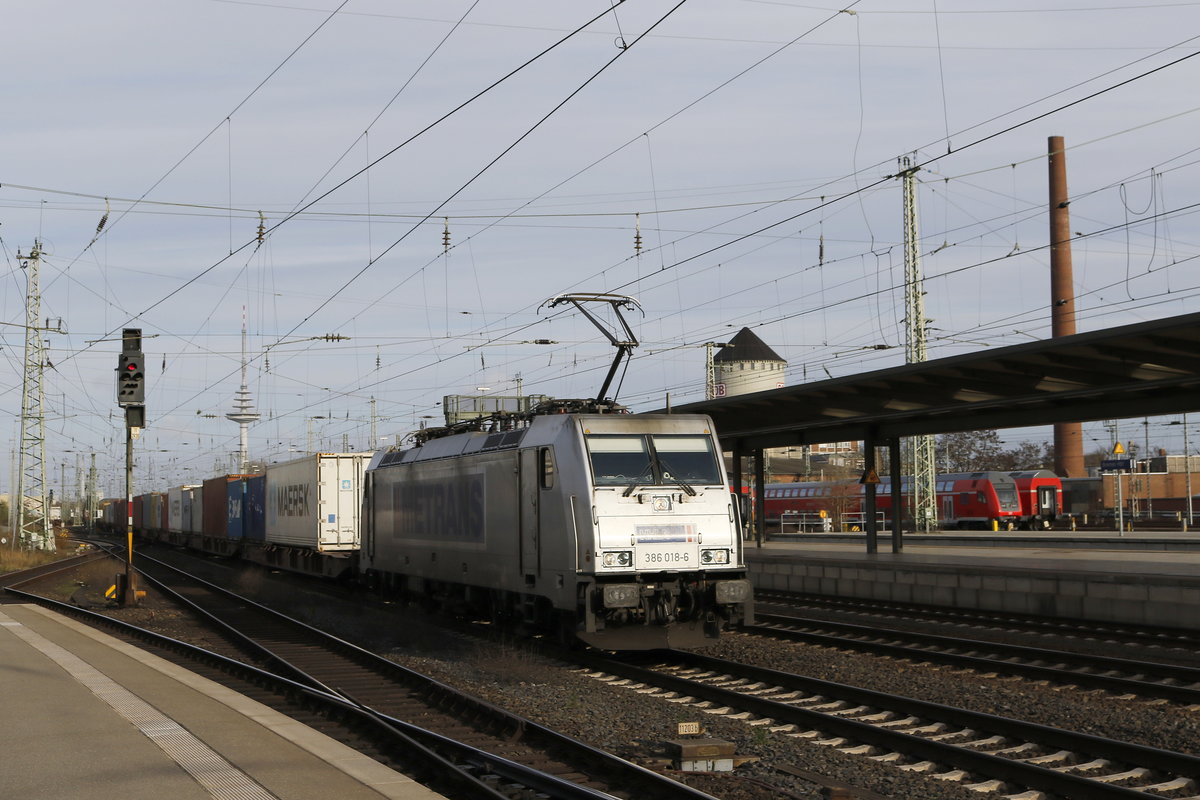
434	211
468	240
386	155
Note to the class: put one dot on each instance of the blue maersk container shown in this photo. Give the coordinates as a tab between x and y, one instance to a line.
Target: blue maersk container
235	505
254	514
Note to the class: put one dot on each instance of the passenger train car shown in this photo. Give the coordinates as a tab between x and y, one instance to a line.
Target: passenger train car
613	528
1041	494
964	500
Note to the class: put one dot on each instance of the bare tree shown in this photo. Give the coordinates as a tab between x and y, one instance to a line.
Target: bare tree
969	451
1028	456
977	451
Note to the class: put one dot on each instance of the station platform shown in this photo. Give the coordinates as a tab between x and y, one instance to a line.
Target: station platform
88	716
1149	587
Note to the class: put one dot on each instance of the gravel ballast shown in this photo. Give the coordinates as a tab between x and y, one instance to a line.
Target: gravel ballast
635	726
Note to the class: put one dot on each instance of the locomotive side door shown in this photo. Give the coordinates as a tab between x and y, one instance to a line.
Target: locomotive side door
529	515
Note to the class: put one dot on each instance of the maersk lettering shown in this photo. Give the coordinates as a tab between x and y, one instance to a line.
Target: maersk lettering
450	509
292	500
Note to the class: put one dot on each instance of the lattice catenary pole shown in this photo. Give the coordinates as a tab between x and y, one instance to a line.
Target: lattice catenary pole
923	486
32	529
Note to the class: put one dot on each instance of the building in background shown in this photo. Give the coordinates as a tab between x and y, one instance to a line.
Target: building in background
747	365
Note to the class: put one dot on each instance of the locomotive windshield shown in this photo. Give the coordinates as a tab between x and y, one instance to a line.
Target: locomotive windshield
1008	498
617	460
661	460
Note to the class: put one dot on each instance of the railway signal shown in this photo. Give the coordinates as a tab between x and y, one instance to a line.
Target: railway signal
131	378
131	395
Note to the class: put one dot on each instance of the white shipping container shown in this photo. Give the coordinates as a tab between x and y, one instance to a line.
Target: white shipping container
314	502
185	509
179	516
196	525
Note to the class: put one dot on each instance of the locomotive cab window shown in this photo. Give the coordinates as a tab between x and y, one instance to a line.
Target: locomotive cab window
618	460
1008	498
687	459
653	460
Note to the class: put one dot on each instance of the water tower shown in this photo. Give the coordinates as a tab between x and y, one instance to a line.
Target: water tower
747	365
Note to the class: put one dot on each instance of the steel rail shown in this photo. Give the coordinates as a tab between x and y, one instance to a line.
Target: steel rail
980	763
1129	633
43	570
443	695
292	691
850	637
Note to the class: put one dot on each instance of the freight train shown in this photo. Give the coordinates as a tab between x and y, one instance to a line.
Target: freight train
986	500
614	529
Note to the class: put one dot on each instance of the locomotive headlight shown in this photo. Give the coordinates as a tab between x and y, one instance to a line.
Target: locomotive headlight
617	558
714	556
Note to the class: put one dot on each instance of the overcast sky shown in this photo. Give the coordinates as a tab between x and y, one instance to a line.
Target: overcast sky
752	142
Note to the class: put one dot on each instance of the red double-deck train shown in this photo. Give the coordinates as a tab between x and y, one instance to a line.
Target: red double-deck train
1041	494
986	500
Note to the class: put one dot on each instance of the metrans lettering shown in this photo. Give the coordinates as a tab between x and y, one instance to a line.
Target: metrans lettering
449	509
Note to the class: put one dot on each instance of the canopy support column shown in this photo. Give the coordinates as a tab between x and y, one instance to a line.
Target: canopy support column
897	495
870	483
760	498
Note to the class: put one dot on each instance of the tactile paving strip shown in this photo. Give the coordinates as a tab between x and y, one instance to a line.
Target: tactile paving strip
221	779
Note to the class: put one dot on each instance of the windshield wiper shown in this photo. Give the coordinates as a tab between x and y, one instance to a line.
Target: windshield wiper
636	480
666	471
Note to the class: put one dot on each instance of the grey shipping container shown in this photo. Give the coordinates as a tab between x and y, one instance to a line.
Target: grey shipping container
314	502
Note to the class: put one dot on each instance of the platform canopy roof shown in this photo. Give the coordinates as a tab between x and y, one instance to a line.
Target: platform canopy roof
1135	370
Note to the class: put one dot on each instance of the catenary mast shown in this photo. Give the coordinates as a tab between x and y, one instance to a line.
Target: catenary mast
32	529
924	476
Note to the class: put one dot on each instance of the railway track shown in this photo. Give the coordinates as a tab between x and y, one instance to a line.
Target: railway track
46	570
982	751
509	755
1184	640
1117	675
1124	775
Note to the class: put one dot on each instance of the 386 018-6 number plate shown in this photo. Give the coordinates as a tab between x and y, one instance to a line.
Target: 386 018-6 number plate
668	557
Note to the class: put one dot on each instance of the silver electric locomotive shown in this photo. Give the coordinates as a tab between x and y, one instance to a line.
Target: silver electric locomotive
612	528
